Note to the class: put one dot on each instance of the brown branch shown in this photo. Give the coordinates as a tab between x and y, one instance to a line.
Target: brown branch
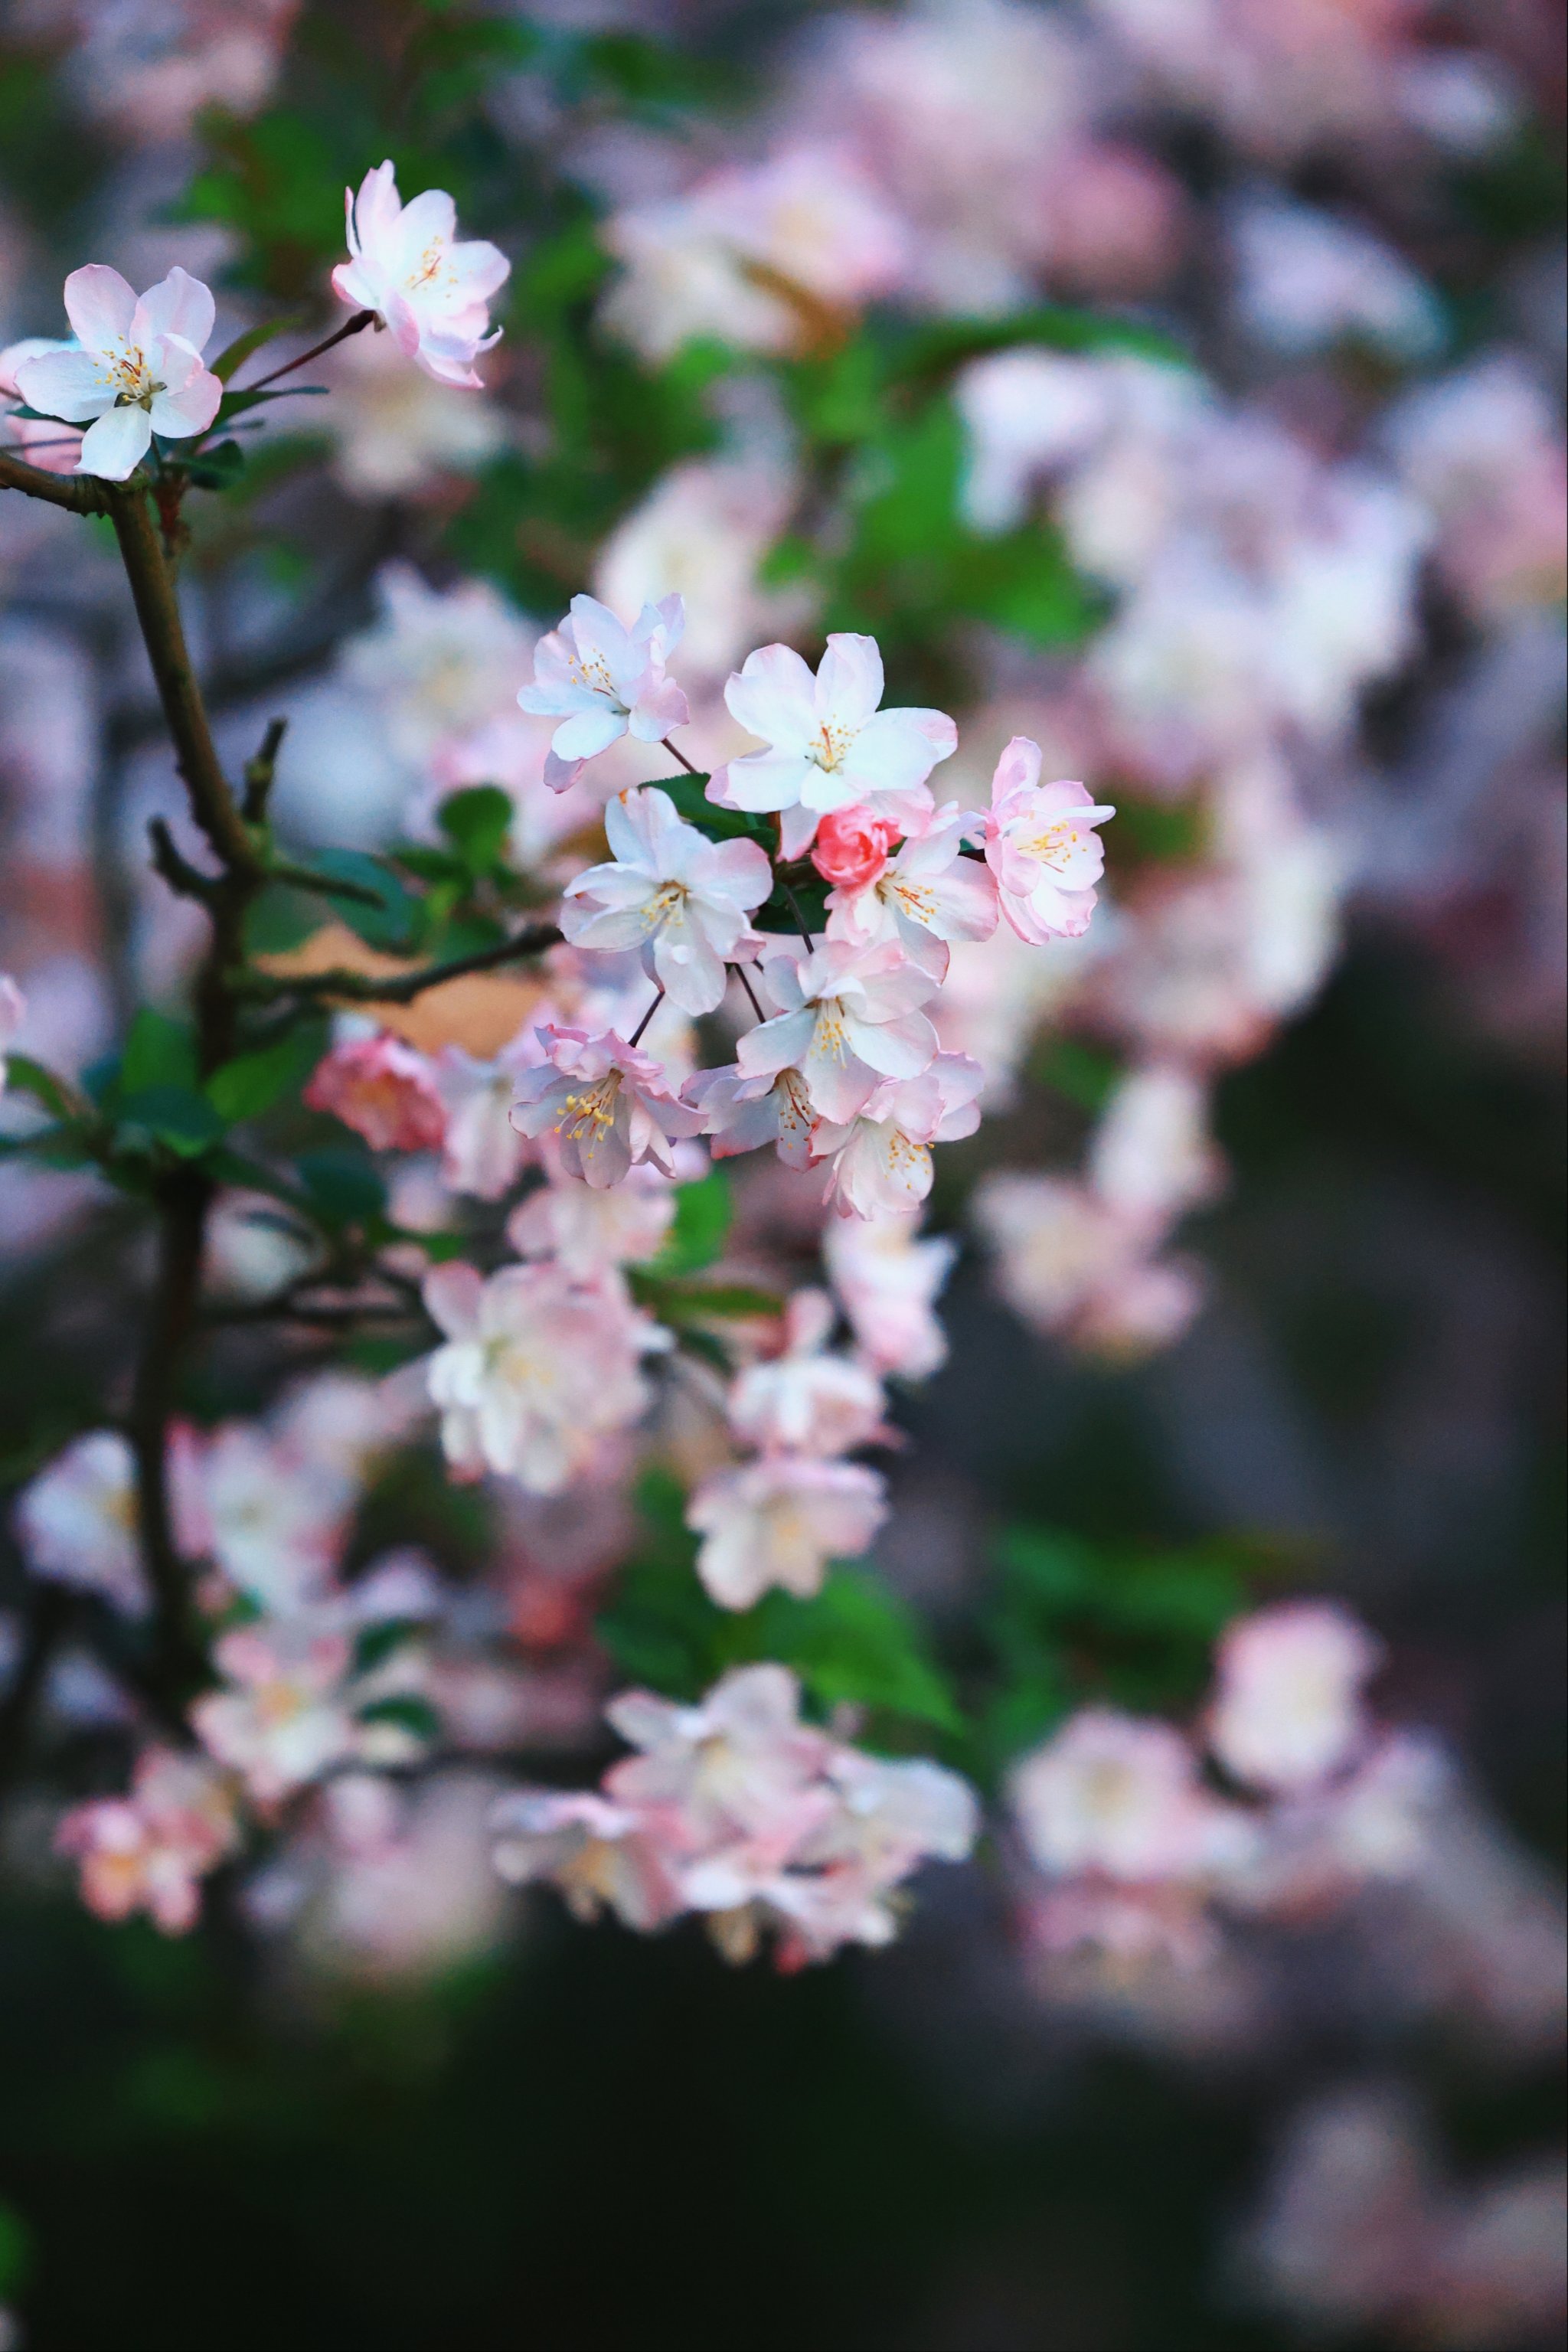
184	1197
364	988
82	494
158	611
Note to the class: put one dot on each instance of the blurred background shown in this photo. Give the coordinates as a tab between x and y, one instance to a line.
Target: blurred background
1178	382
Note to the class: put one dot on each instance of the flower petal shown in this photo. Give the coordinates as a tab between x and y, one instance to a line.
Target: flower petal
116	444
179	304
67	383
99	306
773	695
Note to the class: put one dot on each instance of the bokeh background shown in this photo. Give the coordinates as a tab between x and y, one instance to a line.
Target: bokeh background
1176	380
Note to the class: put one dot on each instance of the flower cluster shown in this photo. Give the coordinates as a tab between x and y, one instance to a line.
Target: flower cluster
739	1810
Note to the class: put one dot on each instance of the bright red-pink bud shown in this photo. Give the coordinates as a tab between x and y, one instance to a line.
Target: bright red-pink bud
851	847
384	1091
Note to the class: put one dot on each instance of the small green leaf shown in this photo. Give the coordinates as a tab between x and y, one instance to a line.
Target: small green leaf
375	1643
234	356
694	1302
215	468
478	820
176	1116
252	1083
702	1214
25	1077
691	801
159	1052
391	920
344	1187
409	1714
855	1643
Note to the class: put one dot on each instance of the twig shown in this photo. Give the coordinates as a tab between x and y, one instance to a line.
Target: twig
187	881
794	910
741	975
364	988
356	326
636	1035
675	753
259	772
80	493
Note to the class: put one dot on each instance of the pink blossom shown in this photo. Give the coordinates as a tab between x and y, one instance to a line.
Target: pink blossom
705	528
829	744
148	1851
887	1280
925	896
1288	1710
13	1012
271	1518
851	1018
1042	848
780	1521
54	448
881	1163
407	266
601	1855
1117	1795
1483	450
1067	1260
384	1091
483	1152
138	372
743	1114
680	898
1153	1156
722	1770
588	1231
851	847
535	1372
78	1521
606	1105
283	1721
806	1401
603	680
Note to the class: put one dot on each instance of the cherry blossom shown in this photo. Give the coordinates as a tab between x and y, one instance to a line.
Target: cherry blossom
743	1114
384	1091
1041	846
283	1722
887	1280
681	899
780	1521
851	847
1069	1260
806	1401
407	266
1119	1795
54	448
829	744
586	1231
137	371
148	1851
850	1019
483	1152
1288	1710
603	680
606	1105
927	894
535	1372
77	1522
599	1854
881	1163
272	1520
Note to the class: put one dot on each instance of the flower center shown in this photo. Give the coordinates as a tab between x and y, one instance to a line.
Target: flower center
587	1117
1056	845
831	742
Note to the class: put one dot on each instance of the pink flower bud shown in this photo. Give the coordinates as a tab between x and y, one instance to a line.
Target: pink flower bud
851	847
384	1091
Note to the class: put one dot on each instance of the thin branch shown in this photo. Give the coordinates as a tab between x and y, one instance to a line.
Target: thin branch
196	756
356	326
364	988
675	753
259	772
636	1036
794	910
80	493
745	978
187	881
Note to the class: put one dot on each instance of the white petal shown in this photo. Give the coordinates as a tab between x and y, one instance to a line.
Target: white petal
99	306
181	305
775	696
116	444
67	383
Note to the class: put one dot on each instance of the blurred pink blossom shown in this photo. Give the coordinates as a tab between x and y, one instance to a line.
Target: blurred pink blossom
405	264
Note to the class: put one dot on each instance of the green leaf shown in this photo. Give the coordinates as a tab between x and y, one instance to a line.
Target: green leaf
159	1052
409	1714
1085	1074
478	820
855	1643
344	1187
691	801
25	1077
375	1643
234	356
680	1302
176	1116
391	921
215	468
252	1083
803	902
702	1215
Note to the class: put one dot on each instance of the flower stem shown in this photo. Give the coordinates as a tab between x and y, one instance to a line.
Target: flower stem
675	753
636	1037
740	974
356	326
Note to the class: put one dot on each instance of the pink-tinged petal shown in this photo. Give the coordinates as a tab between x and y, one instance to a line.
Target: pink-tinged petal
116	444
353	287
1019	766
657	711
101	306
479	269
741	870
764	782
179	304
430	219
560	775
774	696
190	407
797	829
67	383
376	208
777	1044
452	1294
849	680
896	1049
897	749
588	732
